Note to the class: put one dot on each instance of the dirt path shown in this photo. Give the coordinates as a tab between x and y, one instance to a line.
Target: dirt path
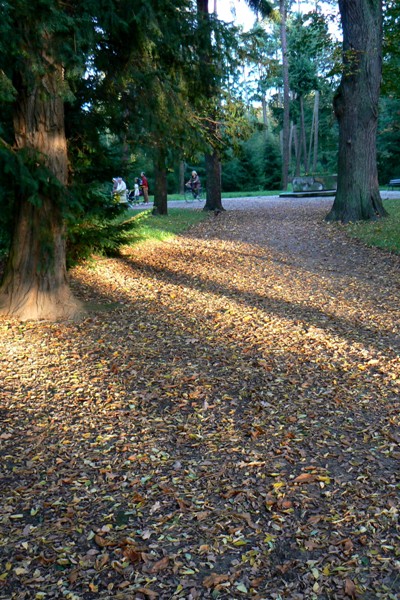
223	424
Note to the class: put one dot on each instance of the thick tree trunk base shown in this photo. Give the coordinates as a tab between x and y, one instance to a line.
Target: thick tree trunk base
364	209
216	210
35	305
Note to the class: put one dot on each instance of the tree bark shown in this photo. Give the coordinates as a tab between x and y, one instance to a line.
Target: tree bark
303	135
356	108
35	284
316	131
213	187
160	188
212	159
181	177
286	99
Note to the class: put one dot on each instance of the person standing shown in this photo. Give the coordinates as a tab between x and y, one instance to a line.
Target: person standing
145	187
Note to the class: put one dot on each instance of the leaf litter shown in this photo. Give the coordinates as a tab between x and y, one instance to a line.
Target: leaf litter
227	428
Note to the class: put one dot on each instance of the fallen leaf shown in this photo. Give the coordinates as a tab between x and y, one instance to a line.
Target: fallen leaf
214	579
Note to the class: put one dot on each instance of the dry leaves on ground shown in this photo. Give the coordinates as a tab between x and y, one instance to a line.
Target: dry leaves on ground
223	424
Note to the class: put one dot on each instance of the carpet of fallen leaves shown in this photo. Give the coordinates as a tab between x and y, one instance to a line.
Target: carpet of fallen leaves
222	424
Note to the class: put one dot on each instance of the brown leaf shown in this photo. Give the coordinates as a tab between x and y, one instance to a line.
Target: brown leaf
103	543
147	592
214	579
350	588
160	565
305	478
102	561
132	554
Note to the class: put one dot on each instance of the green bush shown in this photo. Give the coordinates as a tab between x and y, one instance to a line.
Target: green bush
96	224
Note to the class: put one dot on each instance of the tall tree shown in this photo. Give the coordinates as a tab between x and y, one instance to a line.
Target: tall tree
286	98
35	281
50	44
211	67
356	109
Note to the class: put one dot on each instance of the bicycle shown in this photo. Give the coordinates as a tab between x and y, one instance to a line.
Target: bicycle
192	195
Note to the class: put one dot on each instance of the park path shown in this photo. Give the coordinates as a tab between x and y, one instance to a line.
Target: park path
223	421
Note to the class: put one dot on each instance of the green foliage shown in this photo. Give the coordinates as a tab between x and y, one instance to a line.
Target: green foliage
388	139
384	233
272	166
95	223
95	235
256	165
391	48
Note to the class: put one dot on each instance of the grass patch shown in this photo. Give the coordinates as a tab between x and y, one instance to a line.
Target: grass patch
159	228
384	233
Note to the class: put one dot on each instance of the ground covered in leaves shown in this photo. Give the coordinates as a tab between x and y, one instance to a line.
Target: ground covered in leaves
222	424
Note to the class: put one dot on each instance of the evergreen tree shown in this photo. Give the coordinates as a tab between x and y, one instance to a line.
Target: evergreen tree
54	50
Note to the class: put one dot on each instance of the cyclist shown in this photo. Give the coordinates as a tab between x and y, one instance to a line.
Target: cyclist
194	184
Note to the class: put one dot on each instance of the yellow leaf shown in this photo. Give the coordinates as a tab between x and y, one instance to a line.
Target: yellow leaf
324	478
278	484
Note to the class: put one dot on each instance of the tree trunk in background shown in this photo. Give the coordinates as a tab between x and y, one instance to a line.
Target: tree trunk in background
292	135
303	135
182	177
35	282
316	131
286	117
297	150
356	108
264	113
213	187
212	158
160	187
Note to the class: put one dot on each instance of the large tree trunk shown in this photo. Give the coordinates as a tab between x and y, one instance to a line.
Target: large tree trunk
35	282
213	170
356	108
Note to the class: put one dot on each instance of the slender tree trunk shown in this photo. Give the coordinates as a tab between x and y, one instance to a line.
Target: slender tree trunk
292	135
35	282
303	135
286	116
297	150
160	188
310	144
316	131
212	158
182	177
356	108
264	113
